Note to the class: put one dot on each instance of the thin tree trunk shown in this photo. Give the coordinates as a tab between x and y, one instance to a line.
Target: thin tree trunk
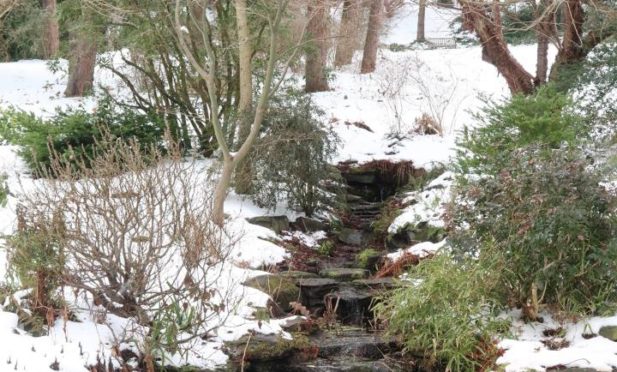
220	192
51	30
244	171
375	20
317	30
494	48
542	59
544	30
81	65
421	21
346	44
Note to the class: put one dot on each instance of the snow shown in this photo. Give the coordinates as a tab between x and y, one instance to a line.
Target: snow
450	83
420	249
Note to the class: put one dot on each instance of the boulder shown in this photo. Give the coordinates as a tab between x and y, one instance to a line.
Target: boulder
351	236
609	332
281	289
312	291
277	224
306	224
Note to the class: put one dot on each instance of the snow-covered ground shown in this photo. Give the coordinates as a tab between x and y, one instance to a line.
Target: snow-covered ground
449	84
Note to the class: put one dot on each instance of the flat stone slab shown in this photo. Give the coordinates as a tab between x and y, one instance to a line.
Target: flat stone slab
344	273
386	282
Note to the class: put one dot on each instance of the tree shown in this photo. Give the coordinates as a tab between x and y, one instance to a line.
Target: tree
487	26
51	29
484	18
421	20
545	30
82	59
375	21
207	69
346	41
245	102
317	31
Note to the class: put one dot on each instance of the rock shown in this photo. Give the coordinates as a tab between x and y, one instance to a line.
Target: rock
312	291
352	305
375	283
291	274
275	223
351	236
281	289
344	273
368	259
262	348
609	332
353	342
358	175
306	224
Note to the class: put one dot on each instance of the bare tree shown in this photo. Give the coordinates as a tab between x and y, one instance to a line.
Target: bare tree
81	65
317	32
51	29
545	30
375	22
207	70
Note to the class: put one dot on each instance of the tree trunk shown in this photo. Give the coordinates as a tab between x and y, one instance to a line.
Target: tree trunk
220	192
421	20
51	30
81	65
545	29
494	48
346	43
542	59
244	171
317	30
572	47
375	20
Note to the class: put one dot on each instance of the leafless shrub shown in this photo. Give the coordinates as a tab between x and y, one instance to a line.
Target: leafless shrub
135	233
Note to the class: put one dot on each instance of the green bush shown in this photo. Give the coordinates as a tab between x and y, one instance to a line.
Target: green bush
546	218
446	315
542	118
73	133
291	159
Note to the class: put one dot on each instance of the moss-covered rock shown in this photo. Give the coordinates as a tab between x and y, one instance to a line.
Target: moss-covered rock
280	288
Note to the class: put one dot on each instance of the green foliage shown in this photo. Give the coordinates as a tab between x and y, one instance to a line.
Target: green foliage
326	248
549	223
20	32
517	23
542	118
446	315
366	257
73	133
291	159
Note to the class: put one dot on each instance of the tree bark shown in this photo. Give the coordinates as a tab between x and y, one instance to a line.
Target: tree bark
572	47
244	171
375	21
81	65
317	30
346	43
542	59
545	29
420	37
494	48
51	30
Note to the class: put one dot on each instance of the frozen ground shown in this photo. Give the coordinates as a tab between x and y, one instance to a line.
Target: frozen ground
448	83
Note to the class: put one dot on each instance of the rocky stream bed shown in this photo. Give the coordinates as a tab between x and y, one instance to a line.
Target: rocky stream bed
334	288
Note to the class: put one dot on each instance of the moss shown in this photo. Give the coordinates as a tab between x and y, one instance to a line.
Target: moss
367	258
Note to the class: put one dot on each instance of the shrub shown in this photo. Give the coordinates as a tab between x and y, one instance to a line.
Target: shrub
73	133
542	118
445	314
291	159
546	218
136	233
